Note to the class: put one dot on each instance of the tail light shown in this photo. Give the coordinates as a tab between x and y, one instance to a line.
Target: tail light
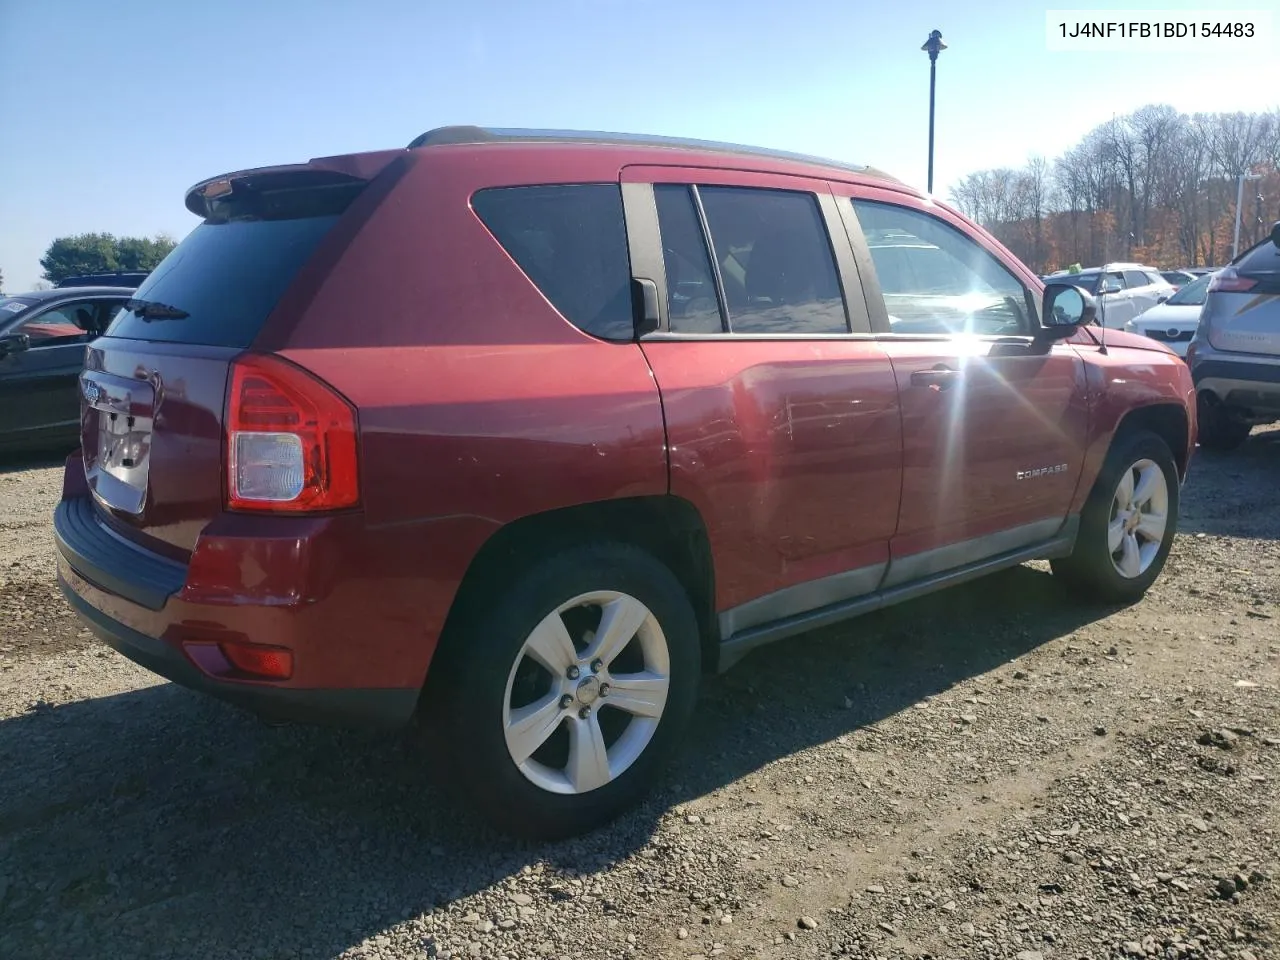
1228	280
291	440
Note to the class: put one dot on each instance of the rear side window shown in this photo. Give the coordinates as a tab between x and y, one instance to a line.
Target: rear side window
227	276
571	241
1136	278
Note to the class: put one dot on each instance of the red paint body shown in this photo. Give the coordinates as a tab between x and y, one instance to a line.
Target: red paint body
479	405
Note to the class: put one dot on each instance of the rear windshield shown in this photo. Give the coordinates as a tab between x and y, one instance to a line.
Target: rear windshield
1262	261
227	276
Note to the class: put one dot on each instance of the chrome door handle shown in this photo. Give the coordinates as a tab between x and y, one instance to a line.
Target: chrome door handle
937	378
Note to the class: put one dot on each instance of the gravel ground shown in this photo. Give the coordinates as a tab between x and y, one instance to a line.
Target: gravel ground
989	772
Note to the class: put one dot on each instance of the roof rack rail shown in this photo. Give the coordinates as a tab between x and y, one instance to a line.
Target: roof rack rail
473	134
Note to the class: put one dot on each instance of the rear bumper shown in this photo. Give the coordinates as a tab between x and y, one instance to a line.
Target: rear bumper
1251	384
389	708
158	613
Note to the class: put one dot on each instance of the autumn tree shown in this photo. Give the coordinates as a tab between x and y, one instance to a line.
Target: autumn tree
1155	184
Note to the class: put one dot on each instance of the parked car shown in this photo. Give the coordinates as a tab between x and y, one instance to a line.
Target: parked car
521	432
1123	290
121	278
42	342
1235	354
1178	278
1174	322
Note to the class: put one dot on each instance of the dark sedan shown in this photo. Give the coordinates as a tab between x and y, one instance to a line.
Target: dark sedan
42	340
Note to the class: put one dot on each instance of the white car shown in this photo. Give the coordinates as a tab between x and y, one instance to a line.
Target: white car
1174	322
1122	290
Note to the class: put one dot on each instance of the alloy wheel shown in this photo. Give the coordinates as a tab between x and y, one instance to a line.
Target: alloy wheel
586	692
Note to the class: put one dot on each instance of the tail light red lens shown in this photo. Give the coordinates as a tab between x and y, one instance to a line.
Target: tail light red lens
1229	281
291	440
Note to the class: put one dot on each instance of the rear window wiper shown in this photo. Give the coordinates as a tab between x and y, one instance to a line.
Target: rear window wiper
151	310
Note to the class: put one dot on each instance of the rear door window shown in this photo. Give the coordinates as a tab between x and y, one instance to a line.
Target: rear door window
227	276
775	260
1136	278
571	241
693	304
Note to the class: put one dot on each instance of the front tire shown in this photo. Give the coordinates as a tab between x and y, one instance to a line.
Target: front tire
554	704
1128	523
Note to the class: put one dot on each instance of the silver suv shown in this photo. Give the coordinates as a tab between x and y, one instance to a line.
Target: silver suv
1122	291
1235	354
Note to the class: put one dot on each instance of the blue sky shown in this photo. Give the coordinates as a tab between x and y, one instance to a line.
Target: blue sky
112	110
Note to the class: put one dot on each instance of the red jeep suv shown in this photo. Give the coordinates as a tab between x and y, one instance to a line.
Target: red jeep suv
518	433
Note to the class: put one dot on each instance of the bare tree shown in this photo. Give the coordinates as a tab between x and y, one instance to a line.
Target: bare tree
1155	180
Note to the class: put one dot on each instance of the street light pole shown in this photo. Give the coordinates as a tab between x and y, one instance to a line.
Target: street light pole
933	46
1235	244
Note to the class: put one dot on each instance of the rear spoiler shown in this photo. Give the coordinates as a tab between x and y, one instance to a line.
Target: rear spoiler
260	192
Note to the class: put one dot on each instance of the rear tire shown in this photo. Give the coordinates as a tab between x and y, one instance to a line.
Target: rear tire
1128	523
1218	429
552	706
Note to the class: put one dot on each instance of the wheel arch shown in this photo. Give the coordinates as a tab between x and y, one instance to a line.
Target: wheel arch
666	526
1167	420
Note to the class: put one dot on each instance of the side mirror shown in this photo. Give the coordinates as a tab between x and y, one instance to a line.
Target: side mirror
1066	309
14	343
1110	286
1275	233
1162	298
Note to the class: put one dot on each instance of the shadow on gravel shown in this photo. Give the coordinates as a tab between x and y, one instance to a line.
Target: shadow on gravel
40	459
159	822
1233	494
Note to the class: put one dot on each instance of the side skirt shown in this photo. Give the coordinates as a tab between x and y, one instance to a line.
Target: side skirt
739	644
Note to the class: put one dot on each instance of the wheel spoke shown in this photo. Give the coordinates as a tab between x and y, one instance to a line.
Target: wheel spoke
1124	493
588	758
1152	526
1130	557
532	725
551	645
1115	534
619	622
1148	482
643	694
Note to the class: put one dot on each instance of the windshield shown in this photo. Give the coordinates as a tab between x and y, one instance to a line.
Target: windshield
1085	281
1192	295
10	306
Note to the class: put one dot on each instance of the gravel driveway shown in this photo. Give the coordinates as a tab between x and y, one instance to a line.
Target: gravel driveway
990	772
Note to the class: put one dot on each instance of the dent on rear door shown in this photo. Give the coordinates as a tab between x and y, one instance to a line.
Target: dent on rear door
789	447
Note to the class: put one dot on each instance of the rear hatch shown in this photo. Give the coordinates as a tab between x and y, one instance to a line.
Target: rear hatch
1242	312
154	385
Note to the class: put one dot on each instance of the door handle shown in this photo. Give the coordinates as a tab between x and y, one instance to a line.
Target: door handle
938	378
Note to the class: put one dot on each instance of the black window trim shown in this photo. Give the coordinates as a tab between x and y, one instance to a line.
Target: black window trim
875	297
709	247
645	242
